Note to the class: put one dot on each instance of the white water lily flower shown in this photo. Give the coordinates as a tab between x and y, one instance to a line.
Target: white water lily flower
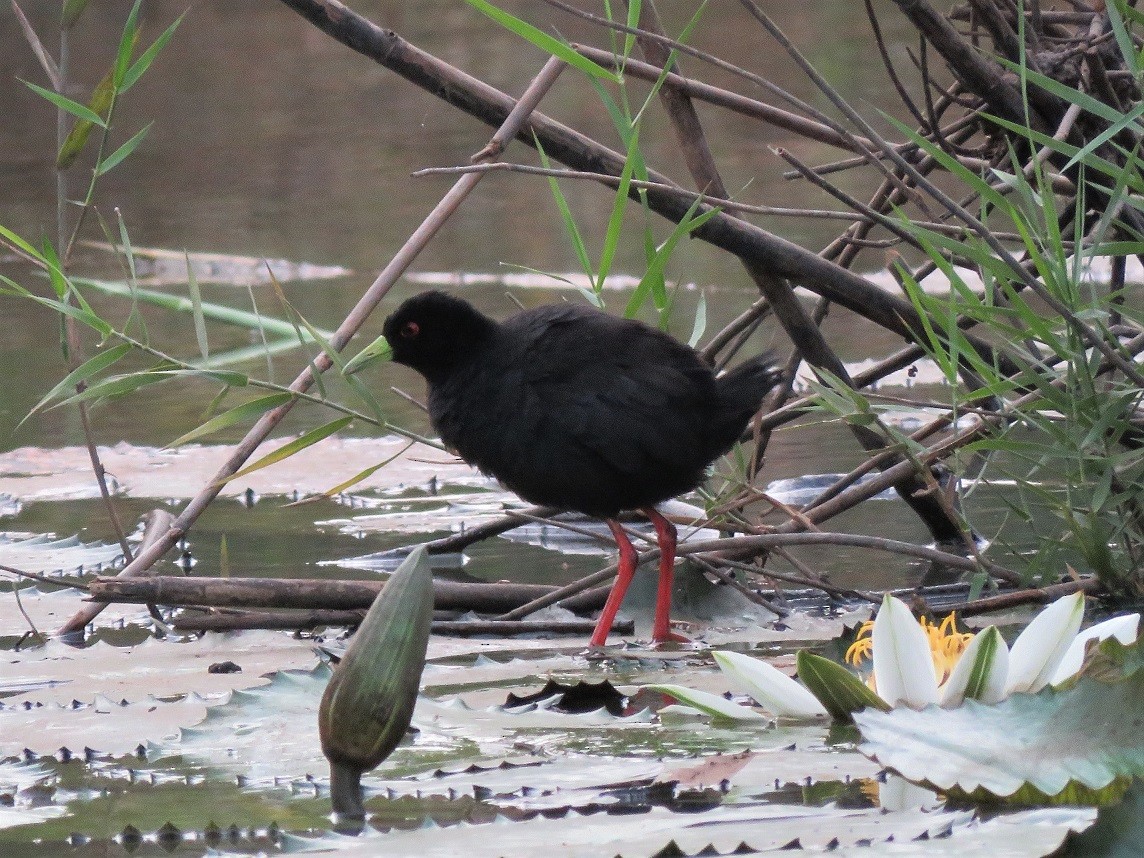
917	663
1125	629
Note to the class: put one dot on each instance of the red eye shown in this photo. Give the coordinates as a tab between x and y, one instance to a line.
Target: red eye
410	329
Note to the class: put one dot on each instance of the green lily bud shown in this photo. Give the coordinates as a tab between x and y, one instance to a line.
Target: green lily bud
369	701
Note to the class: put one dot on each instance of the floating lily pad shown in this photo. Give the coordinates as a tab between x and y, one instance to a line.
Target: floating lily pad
155	668
48	611
45	554
574	699
158	266
719	831
1118	832
1089	735
9	506
33	473
104	725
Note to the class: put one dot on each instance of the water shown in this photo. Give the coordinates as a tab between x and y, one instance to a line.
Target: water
271	141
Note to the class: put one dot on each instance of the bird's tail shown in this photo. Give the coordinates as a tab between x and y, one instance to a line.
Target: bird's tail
741	392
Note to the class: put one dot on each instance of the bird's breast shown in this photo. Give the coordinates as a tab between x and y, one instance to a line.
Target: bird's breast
483	421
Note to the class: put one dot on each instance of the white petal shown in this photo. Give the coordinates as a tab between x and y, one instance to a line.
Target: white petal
1125	629
1040	648
712	704
773	689
903	666
987	652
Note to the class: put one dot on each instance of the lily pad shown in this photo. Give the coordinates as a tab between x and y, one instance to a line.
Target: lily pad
49	610
1089	735
34	473
45	554
112	727
22	800
719	831
157	266
154	668
1118	832
9	506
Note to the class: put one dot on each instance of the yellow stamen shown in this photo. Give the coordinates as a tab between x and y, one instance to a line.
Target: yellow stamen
946	644
863	646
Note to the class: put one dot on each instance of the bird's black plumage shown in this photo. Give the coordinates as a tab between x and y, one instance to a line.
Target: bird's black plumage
571	407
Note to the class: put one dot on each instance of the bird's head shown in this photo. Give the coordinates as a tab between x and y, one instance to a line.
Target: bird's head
430	333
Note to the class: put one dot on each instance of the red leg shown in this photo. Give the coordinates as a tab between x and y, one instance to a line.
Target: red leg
627	568
665	534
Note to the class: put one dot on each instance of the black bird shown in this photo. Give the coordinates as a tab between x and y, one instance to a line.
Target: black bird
573	408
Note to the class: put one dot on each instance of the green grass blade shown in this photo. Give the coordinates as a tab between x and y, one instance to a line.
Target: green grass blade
1041	139
700	321
128	252
296	317
361	475
18	242
80	314
654	279
633	21
73	107
1128	119
948	162
542	40
1123	37
619	206
148	56
245	354
112	161
87	370
100	102
301	443
569	221
119	385
71	12
55	272
197	309
127	43
239	414
181	304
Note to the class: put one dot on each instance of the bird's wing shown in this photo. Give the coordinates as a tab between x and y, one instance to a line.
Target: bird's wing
618	390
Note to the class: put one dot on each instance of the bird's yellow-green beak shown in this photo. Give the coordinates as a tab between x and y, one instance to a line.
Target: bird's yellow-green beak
379	349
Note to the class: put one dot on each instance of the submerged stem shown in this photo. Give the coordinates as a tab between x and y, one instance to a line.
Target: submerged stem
345	793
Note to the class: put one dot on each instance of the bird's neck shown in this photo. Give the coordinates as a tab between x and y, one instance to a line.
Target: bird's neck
467	348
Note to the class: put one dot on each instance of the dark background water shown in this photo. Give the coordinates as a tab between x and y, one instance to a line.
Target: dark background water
271	140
